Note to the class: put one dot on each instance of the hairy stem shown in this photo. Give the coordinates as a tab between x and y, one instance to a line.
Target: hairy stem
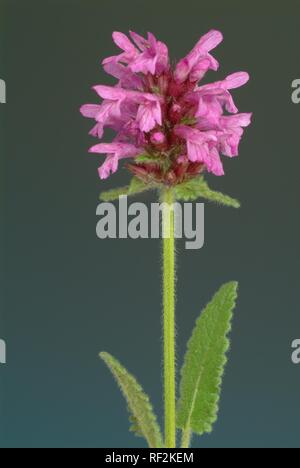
186	438
169	318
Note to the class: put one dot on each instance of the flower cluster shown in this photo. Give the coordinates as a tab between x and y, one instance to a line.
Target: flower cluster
172	128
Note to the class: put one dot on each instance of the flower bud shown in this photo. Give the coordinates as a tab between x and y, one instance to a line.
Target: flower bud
158	138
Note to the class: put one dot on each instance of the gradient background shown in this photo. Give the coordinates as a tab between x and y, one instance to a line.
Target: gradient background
67	295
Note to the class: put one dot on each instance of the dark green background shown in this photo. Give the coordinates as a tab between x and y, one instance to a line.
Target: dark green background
68	295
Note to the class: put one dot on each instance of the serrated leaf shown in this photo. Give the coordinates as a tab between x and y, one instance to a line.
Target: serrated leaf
188	191
114	194
218	197
204	364
135	426
136	186
198	188
143	419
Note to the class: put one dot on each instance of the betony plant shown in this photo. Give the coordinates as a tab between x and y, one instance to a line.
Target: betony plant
172	131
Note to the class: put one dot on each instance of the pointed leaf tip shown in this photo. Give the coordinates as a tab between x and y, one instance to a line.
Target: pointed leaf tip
198	188
144	422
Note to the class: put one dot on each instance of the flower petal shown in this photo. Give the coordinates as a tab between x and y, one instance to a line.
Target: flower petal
122	41
90	110
185	68
236	80
110	92
110	166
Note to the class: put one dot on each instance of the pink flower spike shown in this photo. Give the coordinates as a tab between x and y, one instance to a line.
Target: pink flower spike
159	110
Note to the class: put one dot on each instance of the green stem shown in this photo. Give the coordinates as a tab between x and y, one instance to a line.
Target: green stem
169	318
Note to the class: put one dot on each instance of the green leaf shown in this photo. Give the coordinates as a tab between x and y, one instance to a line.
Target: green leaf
143	419
135	428
198	188
114	194
204	364
136	186
218	197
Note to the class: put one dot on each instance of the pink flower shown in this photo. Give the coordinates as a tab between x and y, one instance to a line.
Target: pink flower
199	61
144	107
127	79
201	147
161	111
158	138
211	99
129	53
154	58
148	56
233	129
115	151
